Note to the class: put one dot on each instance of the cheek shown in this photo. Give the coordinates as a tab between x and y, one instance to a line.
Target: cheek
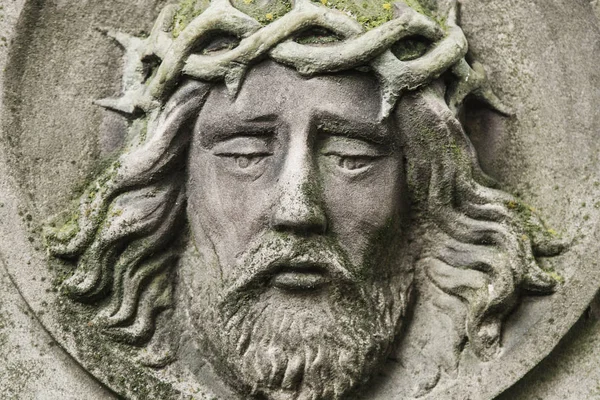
359	209
229	211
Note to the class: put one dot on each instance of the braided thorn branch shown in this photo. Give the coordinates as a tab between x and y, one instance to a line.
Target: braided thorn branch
310	60
219	16
399	76
232	64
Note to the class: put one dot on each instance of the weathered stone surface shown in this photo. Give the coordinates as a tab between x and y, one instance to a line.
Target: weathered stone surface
596	7
58	139
32	364
569	372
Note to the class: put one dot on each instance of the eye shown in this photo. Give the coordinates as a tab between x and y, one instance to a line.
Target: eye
354	163
247	161
244	153
349	155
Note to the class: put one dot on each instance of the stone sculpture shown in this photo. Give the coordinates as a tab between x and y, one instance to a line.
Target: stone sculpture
310	166
293	200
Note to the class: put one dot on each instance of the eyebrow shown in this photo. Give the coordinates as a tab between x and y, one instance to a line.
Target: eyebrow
213	134
337	125
259	118
244	113
224	129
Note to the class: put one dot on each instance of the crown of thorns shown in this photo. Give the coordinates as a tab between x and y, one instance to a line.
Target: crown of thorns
155	64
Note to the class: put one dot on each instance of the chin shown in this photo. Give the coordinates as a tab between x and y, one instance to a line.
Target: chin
324	343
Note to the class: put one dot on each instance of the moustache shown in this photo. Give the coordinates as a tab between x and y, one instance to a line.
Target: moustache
275	253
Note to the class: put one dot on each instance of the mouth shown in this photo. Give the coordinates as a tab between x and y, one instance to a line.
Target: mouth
296	277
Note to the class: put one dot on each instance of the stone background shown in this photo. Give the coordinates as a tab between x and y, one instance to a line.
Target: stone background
572	370
36	368
32	365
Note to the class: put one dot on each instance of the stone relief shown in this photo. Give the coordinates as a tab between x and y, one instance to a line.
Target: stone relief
312	171
297	205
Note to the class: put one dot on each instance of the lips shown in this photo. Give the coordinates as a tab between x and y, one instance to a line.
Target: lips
300	277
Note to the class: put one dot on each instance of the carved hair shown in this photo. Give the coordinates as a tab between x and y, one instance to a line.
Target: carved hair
128	222
480	243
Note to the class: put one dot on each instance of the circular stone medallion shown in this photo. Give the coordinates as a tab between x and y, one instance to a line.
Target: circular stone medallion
366	206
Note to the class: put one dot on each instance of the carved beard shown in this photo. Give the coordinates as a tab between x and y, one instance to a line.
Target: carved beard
306	345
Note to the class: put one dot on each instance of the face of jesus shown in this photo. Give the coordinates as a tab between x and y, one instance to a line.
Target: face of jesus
296	202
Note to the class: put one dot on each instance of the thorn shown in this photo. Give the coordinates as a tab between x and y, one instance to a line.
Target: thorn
234	78
400	9
453	13
489	97
120	104
165	18
124	39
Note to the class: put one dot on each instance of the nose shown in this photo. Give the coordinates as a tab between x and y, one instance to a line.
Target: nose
299	206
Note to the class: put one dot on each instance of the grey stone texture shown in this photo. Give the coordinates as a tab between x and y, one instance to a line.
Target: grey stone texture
569	372
32	363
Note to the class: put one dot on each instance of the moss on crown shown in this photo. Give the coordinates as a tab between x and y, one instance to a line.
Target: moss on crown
369	13
187	11
264	11
373	13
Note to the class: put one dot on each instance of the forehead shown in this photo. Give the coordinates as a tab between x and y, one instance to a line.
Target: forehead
273	89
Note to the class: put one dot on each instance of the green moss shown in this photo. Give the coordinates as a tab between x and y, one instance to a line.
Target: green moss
67	230
420	8
263	12
536	231
369	13
527	215
552	232
456	152
125	375
556	276
187	11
